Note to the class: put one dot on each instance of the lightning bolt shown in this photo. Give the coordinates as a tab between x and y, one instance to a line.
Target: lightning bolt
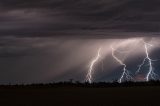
125	75
89	74
151	74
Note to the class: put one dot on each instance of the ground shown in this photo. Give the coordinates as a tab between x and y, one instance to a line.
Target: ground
79	96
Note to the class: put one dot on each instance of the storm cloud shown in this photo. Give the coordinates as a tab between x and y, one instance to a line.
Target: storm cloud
55	40
82	18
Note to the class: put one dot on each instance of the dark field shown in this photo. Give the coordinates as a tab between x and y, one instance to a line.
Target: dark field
80	96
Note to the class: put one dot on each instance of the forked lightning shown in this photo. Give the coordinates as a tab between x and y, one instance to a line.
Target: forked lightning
125	75
151	74
91	68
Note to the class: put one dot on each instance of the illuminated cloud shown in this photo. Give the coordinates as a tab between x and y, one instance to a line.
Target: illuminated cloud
53	59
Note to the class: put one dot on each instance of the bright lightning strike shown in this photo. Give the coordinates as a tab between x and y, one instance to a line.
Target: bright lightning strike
125	74
89	74
151	74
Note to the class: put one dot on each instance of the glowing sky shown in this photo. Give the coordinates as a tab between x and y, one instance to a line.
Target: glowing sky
26	60
56	40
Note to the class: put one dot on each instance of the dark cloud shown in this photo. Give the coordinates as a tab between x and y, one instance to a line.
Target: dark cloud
80	18
40	39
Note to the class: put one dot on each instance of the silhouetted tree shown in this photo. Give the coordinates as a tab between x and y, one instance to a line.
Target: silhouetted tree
71	80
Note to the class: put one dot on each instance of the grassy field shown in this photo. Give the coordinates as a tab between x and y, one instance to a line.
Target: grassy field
79	96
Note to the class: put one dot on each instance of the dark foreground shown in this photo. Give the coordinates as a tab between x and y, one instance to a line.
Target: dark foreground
80	96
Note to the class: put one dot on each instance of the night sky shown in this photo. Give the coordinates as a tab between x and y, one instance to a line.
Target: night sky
42	41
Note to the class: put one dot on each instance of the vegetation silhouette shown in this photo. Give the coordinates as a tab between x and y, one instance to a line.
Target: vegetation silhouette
72	83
